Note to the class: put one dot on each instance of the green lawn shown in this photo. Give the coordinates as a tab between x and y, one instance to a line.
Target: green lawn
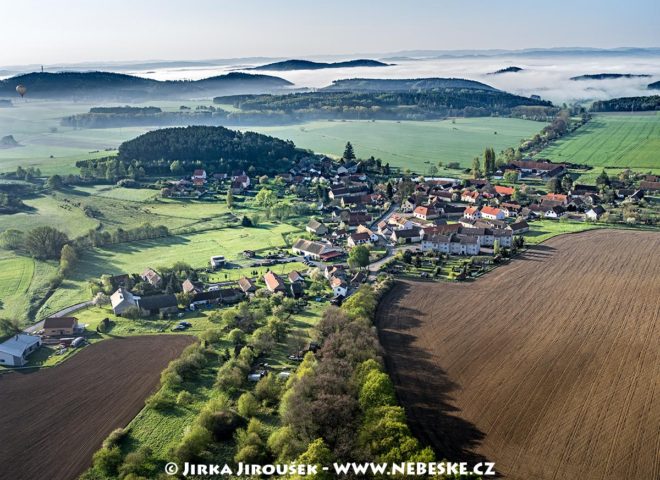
195	249
611	141
542	230
409	144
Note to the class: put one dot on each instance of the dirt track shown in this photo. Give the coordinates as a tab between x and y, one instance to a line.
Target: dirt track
54	420
549	366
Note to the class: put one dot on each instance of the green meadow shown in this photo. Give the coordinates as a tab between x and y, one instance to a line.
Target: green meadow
619	141
409	144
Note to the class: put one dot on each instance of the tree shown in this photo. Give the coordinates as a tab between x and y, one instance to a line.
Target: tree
358	257
55	182
317	454
566	183
176	167
489	161
349	154
247	405
602	180
9	327
553	185
230	198
389	190
476	168
265	198
511	176
433	170
45	242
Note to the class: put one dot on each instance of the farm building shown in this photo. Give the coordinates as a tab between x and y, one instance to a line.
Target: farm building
273	282
355	239
122	300
217	262
232	295
57	326
521	226
206	298
14	352
470	197
364	229
595	213
472	213
295	277
151	277
189	286
246	285
157	304
309	248
425	213
316	227
411	235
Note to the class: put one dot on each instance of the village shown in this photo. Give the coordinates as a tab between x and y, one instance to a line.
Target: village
365	221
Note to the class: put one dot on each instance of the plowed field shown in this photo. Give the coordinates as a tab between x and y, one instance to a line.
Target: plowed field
549	366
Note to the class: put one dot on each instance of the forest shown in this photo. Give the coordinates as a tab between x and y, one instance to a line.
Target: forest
627	104
215	148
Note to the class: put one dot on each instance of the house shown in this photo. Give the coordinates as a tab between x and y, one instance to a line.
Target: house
399	222
297	289
510	209
151	277
595	213
384	229
521	226
436	243
199	175
411	235
273	282
15	350
217	262
311	248
333	271
58	326
246	285
543	170
355	239
472	213
425	213
158	304
122	300
231	295
372	235
649	186
504	191
295	277
317	228
339	286
555	197
492	213
554	212
463	245
359	277
470	197
206	298
188	286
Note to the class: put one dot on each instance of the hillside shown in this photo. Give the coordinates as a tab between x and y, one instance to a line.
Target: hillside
608	76
654	86
215	148
403	85
627	104
309	65
116	86
511	69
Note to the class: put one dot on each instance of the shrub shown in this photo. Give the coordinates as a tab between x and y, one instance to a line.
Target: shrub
115	437
160	400
184	398
268	390
193	444
107	460
248	406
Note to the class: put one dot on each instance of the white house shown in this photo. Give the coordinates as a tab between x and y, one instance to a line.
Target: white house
472	213
595	213
372	235
199	175
339	286
492	213
356	239
425	213
398	222
14	352
122	300
312	249
217	261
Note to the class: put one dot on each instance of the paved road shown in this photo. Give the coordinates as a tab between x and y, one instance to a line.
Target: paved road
62	313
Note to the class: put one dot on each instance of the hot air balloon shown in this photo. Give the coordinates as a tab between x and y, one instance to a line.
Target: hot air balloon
21	89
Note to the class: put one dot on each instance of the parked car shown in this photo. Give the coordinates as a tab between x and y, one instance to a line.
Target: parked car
185	324
178	328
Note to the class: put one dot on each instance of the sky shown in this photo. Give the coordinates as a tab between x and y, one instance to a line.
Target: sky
70	31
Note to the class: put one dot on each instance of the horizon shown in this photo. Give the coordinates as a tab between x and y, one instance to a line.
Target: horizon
205	30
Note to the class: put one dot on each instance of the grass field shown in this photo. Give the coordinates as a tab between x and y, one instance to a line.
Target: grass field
194	249
611	141
414	145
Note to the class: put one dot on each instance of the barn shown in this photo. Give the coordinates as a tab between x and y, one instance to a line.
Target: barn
14	352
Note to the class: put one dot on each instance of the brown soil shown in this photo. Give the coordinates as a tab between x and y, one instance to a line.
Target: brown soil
53	420
549	366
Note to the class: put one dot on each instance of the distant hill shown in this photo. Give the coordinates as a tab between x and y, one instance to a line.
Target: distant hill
8	142
404	85
309	65
511	69
608	76
628	104
654	86
117	86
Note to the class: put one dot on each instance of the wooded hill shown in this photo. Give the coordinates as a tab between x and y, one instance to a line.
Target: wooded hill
627	104
309	65
116	86
217	149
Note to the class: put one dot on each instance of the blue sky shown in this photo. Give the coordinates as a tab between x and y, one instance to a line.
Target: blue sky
47	31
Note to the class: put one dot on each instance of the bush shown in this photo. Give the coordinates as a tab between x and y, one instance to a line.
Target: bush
160	400
193	444
248	406
115	437
107	460
268	390
184	398
138	464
